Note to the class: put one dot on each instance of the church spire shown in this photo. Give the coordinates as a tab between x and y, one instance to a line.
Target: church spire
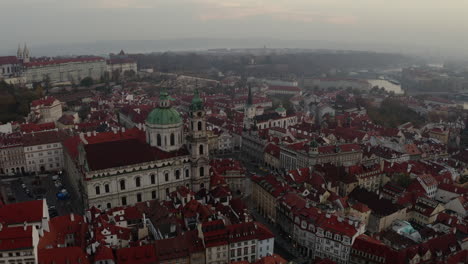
197	102
19	53
249	97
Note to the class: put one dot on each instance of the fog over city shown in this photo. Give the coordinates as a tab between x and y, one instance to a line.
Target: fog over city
426	27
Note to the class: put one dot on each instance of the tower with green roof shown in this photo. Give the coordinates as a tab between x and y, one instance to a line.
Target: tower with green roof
198	143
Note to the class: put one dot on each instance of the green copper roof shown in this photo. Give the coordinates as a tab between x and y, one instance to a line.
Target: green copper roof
280	109
164	116
197	102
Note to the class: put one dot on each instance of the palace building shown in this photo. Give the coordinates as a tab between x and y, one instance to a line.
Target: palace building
147	166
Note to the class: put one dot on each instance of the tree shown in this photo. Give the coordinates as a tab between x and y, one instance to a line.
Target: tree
115	75
129	74
84	112
87	81
402	179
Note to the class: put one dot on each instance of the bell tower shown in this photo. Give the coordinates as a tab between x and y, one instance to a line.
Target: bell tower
198	144
249	111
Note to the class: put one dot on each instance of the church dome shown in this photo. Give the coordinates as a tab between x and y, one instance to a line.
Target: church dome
164	116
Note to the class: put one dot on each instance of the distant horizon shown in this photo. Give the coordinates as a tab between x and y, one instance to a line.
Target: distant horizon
101	47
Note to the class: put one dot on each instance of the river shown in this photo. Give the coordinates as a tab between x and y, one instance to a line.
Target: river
388	86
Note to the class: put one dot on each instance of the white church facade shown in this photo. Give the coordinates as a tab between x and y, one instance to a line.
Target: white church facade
127	171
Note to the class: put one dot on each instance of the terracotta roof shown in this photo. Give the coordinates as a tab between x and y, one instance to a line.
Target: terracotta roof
46	101
63	255
32	127
125	152
137	255
16	238
18	213
8	60
62	61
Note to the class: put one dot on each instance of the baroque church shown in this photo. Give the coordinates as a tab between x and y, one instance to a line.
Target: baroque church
149	164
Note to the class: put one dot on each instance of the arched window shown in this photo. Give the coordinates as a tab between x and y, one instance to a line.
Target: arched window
158	140
153	179
106	188
201	149
199	125
167	191
137	182
124	200
98	190
202	171
122	184
177	174
172	139
166	176
109	205
139	197
187	173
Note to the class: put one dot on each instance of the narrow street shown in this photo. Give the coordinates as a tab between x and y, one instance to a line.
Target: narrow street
283	246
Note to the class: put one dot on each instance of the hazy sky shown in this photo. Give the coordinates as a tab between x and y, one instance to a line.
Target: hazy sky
430	23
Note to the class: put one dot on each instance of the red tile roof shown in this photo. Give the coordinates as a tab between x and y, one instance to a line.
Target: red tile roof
125	152
16	238
137	255
32	127
8	60
46	101
62	61
18	213
63	255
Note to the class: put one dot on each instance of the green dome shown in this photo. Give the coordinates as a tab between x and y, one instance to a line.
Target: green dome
164	116
280	109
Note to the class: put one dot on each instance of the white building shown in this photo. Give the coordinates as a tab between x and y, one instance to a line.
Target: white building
45	110
21	244
65	70
121	65
43	151
9	67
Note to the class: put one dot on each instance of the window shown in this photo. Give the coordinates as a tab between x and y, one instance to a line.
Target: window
158	140
201	149
202	171
98	190
124	200
153	195
139	197
246	250
172	140
233	253
109	205
167	191
252	249
137	182
187	173
177	174
166	176
106	188
153	179
122	184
